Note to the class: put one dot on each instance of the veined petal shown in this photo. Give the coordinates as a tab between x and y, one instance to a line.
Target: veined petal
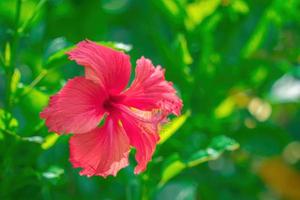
150	90
142	131
105	66
76	108
101	152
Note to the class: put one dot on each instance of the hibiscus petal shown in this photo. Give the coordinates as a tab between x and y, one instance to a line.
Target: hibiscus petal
76	108
142	131
105	66
101	152
150	90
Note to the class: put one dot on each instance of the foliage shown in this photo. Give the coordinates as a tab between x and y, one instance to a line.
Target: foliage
235	63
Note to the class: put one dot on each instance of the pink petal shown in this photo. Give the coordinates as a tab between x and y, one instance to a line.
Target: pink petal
150	90
101	152
105	66
76	108
142	130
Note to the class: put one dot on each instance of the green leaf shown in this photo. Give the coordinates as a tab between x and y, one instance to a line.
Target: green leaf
225	108
183	50
5	116
171	6
222	142
198	11
202	156
49	141
270	17
217	146
7	54
170	128
59	57
174	9
54	48
15	79
240	6
173	167
256	39
215	149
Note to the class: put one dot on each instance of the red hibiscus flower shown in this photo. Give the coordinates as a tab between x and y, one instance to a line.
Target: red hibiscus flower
131	116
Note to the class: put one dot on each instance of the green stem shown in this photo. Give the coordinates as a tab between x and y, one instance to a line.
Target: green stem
145	189
31	86
33	16
18	14
13	134
2	63
35	82
12	65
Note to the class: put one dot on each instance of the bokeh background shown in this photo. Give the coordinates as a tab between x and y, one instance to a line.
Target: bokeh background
235	64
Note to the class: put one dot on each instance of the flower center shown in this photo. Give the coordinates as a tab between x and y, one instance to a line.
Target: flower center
111	101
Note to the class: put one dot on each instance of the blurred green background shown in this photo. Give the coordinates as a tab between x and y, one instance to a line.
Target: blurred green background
235	64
